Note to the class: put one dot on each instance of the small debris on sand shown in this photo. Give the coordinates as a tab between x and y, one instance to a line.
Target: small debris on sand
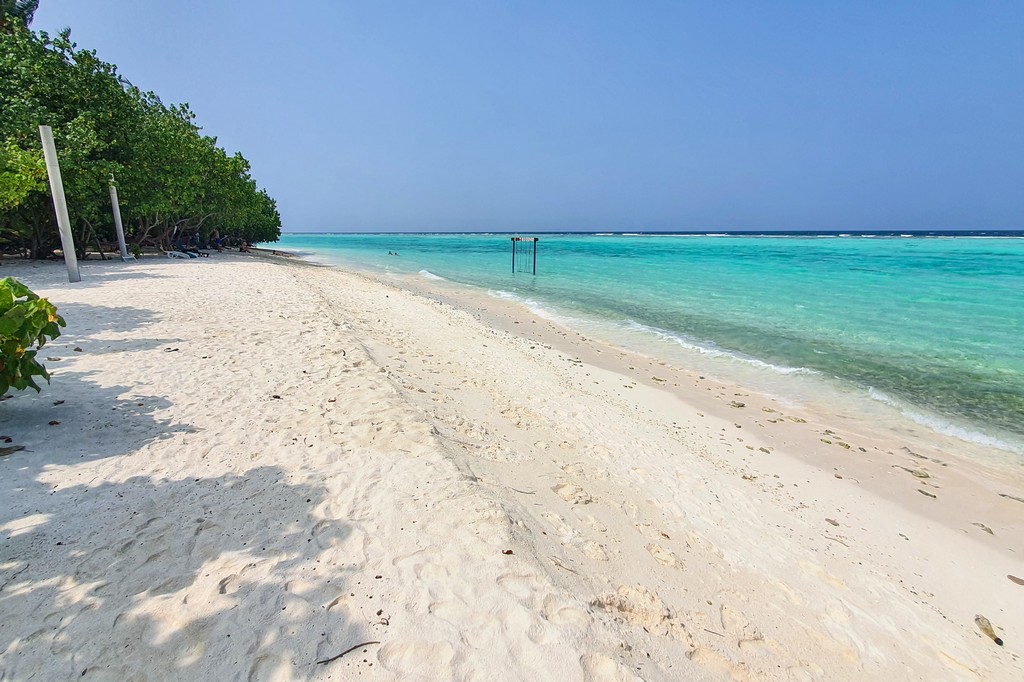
986	627
916	473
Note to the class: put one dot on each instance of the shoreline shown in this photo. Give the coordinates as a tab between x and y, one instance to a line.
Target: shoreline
971	441
834	398
628	501
799	430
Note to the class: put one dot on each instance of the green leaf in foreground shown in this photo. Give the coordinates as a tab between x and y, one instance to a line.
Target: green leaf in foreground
27	322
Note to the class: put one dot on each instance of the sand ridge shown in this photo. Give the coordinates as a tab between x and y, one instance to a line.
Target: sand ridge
258	467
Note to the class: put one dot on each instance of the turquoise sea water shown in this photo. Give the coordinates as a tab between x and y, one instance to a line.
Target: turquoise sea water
935	325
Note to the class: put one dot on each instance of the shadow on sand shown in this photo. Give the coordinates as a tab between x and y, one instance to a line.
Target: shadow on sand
145	577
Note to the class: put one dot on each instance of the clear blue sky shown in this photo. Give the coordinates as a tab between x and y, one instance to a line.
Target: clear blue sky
590	115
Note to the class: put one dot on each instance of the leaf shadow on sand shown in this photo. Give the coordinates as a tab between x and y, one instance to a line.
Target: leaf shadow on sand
232	575
78	415
85	321
226	575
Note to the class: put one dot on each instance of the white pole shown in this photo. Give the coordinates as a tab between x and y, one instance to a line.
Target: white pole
60	206
116	207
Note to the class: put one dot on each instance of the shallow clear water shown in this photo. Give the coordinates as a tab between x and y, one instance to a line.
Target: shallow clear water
932	323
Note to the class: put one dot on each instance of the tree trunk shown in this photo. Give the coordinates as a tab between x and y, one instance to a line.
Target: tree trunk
99	247
34	245
81	249
145	227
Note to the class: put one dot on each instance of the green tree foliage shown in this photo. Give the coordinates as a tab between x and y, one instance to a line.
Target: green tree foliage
17	13
26	323
170	176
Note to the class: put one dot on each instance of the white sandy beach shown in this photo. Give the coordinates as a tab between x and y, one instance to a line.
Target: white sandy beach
245	466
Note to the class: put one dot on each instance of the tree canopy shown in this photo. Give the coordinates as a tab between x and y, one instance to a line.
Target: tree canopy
169	175
17	12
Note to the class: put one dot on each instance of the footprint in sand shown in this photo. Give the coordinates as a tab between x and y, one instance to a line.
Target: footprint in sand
521	417
263	667
597	667
175	584
821	574
789	592
558	611
573	494
524	587
724	668
300	587
731	619
340	600
329	533
735	623
592	522
663	556
558	524
495	452
584	470
641	607
594	550
478	629
228	585
411	658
